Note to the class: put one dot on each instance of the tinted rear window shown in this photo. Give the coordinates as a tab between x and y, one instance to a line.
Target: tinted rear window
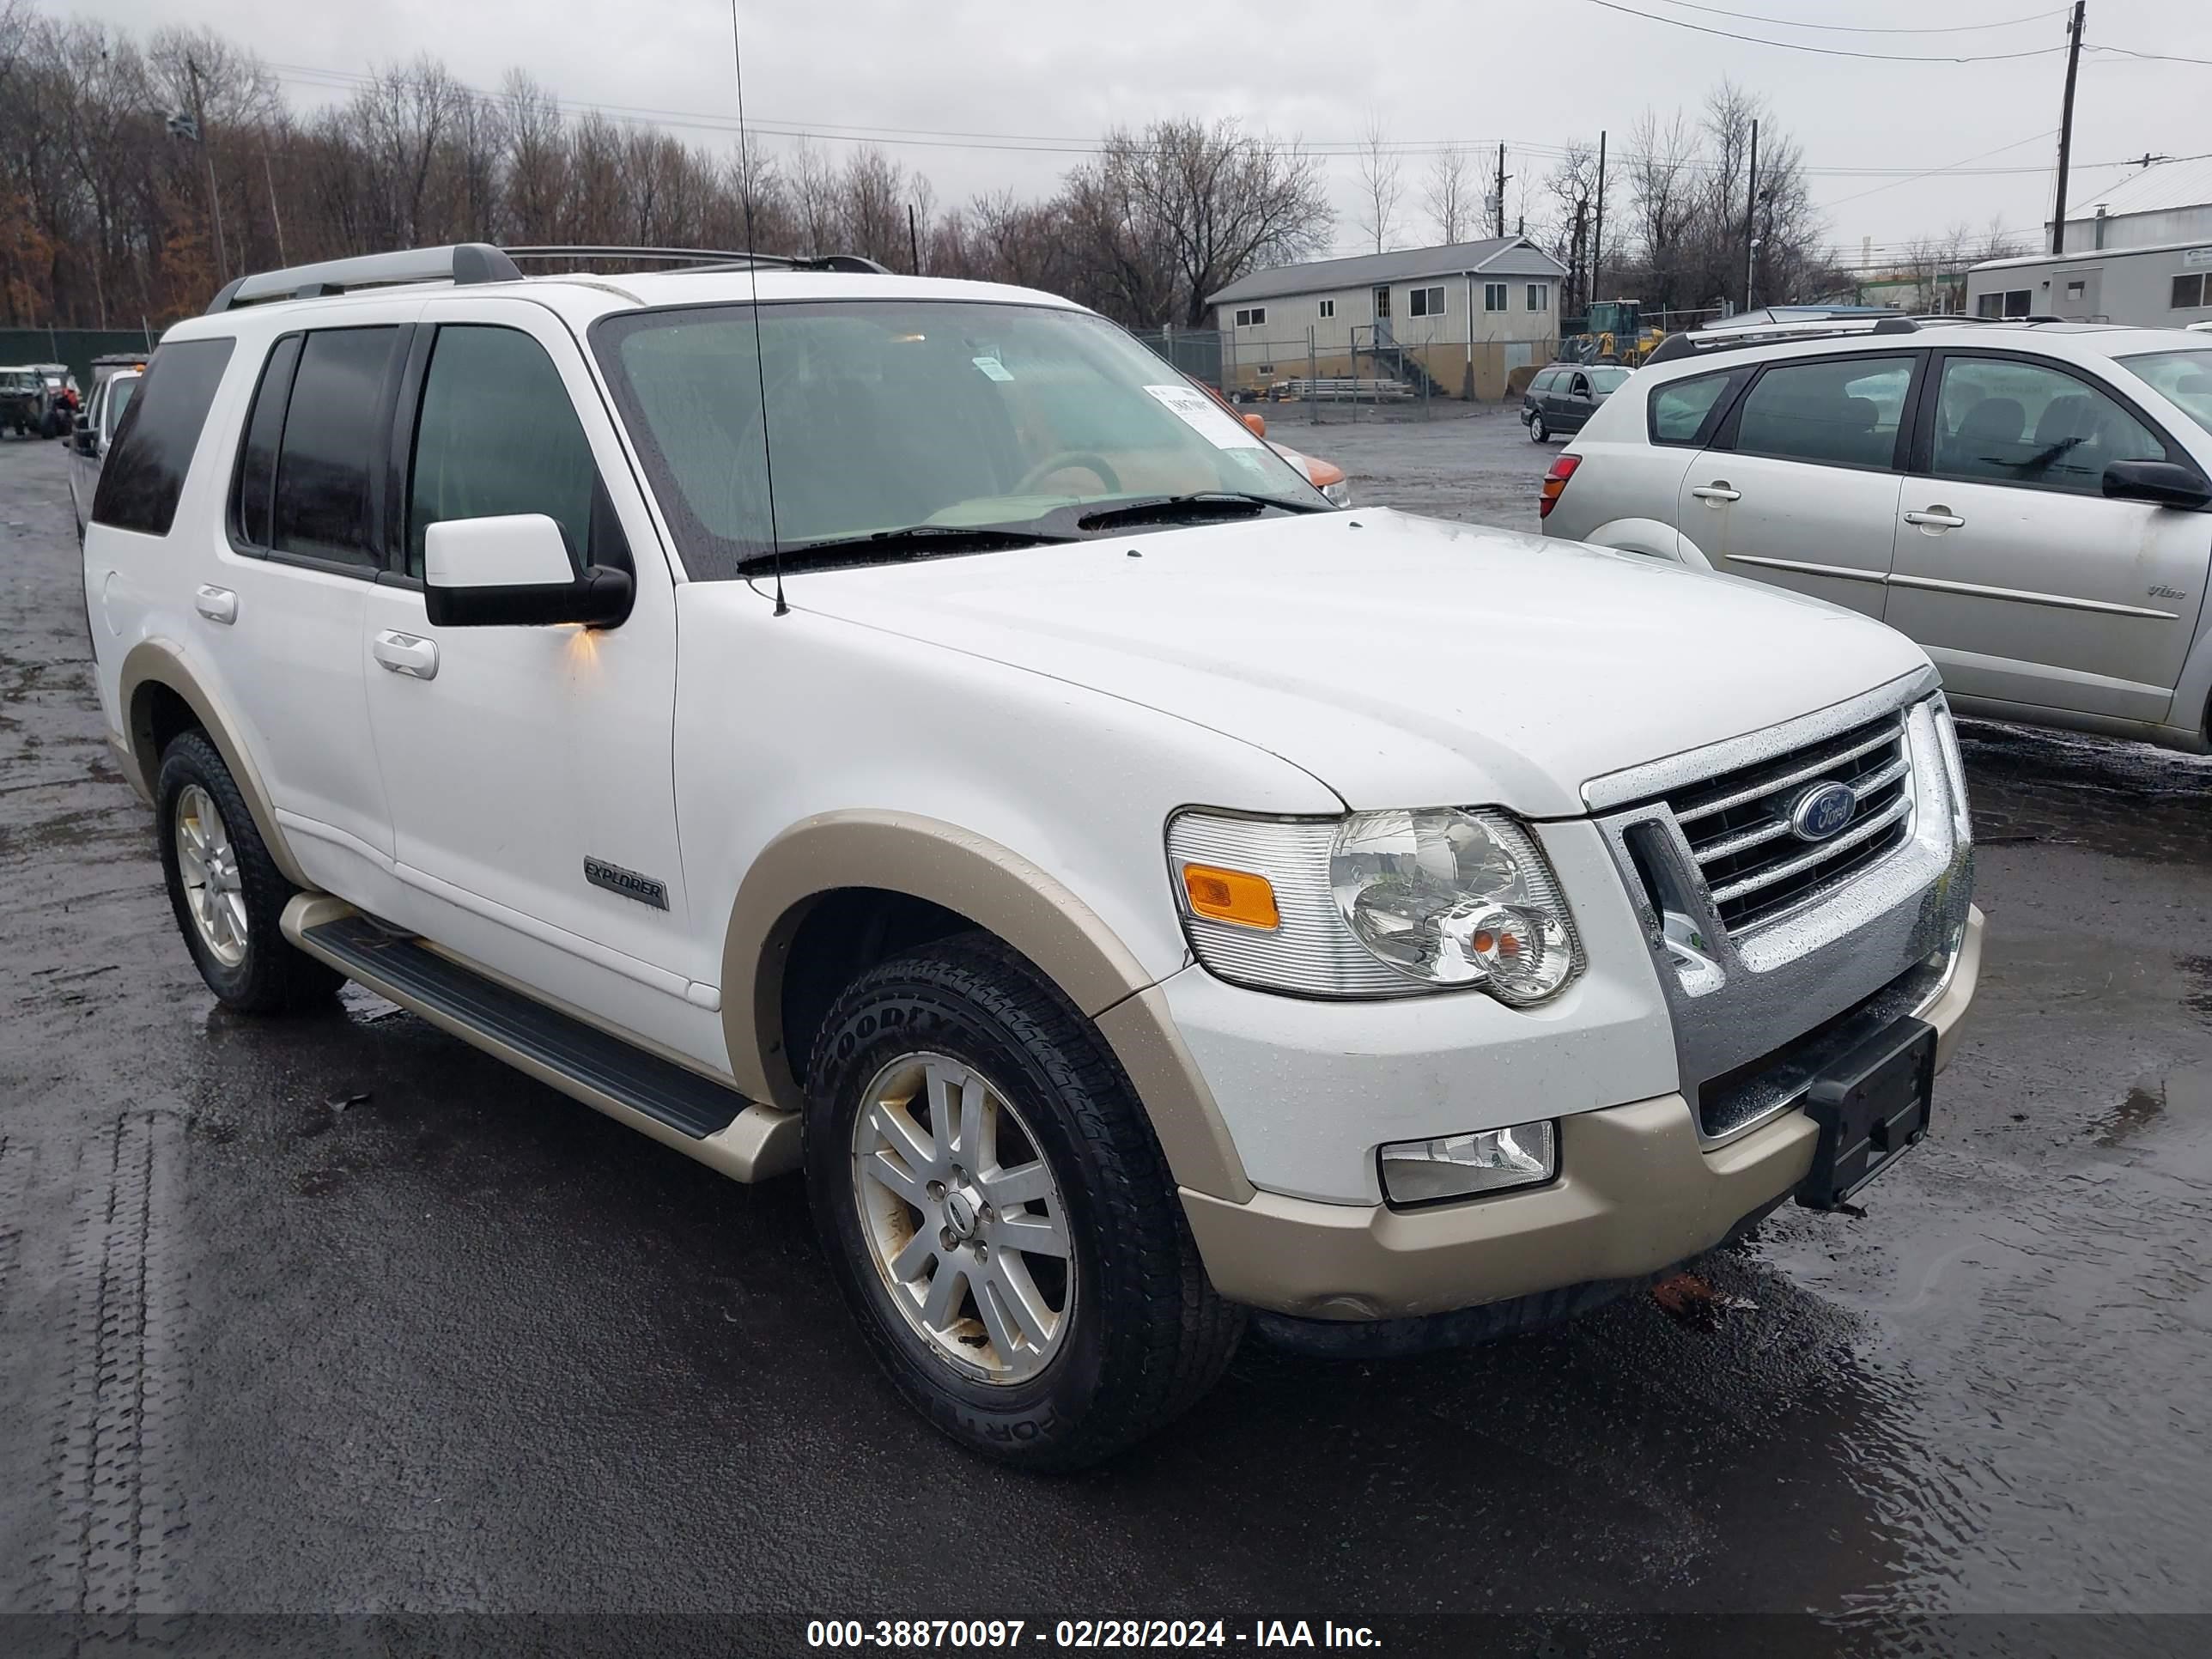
1842	413
1679	408
331	429
144	473
257	466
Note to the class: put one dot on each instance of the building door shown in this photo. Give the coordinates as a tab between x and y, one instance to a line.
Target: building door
1383	336
2077	295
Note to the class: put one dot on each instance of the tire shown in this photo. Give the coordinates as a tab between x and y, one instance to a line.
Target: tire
240	949
1537	432
1138	1333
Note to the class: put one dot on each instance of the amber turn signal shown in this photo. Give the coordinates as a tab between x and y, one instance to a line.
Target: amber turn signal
1230	896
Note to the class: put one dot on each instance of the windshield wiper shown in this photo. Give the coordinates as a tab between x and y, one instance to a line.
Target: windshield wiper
1199	504
924	539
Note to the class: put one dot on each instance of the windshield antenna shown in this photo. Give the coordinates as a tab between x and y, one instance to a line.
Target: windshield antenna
753	273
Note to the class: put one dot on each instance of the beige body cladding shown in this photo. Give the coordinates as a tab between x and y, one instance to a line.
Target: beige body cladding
1637	1192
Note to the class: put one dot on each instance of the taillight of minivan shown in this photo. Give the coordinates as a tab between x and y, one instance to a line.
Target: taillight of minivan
1555	482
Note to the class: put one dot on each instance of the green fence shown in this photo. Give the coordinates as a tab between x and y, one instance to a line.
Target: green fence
76	347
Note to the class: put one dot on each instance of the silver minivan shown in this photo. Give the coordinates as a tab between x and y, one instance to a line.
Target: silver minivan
2031	501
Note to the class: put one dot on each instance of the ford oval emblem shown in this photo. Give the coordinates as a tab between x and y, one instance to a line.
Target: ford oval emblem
1822	811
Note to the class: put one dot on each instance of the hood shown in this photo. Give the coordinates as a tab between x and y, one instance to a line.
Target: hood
1402	661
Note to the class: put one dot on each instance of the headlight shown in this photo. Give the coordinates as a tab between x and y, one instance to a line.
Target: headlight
1339	493
1455	898
1376	904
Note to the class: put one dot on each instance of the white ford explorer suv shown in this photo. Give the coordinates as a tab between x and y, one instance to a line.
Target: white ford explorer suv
895	728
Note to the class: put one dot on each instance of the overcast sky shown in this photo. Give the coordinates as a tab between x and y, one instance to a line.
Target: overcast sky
980	95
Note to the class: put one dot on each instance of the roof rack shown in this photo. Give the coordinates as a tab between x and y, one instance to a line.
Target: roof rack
464	263
1722	336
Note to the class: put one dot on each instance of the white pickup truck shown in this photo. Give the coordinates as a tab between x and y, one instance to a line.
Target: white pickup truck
897	729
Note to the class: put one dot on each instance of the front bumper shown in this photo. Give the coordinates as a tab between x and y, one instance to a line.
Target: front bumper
1637	1192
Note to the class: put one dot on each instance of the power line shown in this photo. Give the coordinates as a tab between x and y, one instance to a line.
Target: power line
2031	138
1063	144
1862	28
2147	56
1826	51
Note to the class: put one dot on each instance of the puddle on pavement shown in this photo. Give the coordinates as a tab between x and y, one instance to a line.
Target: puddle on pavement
2184	1096
2108	794
2200	998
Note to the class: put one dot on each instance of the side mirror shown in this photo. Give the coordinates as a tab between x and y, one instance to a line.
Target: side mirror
1258	424
515	571
81	436
2163	483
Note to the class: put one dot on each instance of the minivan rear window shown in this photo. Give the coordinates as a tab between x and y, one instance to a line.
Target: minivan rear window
144	473
1679	409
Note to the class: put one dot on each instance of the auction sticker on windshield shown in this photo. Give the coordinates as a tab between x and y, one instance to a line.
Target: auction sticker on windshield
1205	417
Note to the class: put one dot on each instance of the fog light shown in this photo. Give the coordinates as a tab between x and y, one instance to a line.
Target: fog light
1461	1166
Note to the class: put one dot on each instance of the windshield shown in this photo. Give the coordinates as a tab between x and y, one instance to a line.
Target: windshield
884	416
2184	377
18	380
1603	381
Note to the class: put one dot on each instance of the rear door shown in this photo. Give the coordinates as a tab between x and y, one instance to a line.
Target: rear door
2023	582
298	554
1799	486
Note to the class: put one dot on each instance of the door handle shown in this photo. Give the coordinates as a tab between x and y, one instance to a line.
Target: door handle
1716	492
218	604
1934	518
404	653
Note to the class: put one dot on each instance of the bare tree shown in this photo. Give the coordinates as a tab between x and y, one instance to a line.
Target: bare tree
1451	196
814	198
106	201
1379	185
1168	216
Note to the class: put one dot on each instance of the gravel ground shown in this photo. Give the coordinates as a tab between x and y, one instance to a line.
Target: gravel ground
338	1316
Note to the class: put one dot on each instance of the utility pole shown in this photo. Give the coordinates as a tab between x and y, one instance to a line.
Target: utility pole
215	199
1750	218
1597	236
2066	126
1501	190
1578	273
913	240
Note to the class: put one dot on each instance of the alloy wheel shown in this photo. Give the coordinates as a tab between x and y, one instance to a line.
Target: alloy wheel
963	1218
207	864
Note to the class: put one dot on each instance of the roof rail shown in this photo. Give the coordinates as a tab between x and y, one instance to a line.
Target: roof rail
466	263
461	262
1722	336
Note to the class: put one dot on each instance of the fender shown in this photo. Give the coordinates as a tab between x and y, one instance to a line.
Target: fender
1653	539
999	889
158	662
2190	719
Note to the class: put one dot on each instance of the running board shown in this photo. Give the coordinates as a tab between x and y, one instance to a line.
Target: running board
679	1107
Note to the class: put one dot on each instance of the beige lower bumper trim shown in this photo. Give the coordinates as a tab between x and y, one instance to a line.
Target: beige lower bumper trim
1637	1194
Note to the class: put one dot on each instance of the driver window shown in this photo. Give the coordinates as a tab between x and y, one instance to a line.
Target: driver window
497	435
2000	421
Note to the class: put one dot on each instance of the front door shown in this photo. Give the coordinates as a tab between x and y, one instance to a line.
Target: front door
1800	487
1383	336
529	769
2022	580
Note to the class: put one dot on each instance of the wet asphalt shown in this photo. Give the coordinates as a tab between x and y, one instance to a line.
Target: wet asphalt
337	1315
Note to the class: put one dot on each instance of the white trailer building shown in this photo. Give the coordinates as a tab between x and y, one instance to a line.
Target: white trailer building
1465	315
2166	285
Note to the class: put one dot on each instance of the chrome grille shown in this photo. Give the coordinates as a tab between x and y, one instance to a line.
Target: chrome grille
1738	823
